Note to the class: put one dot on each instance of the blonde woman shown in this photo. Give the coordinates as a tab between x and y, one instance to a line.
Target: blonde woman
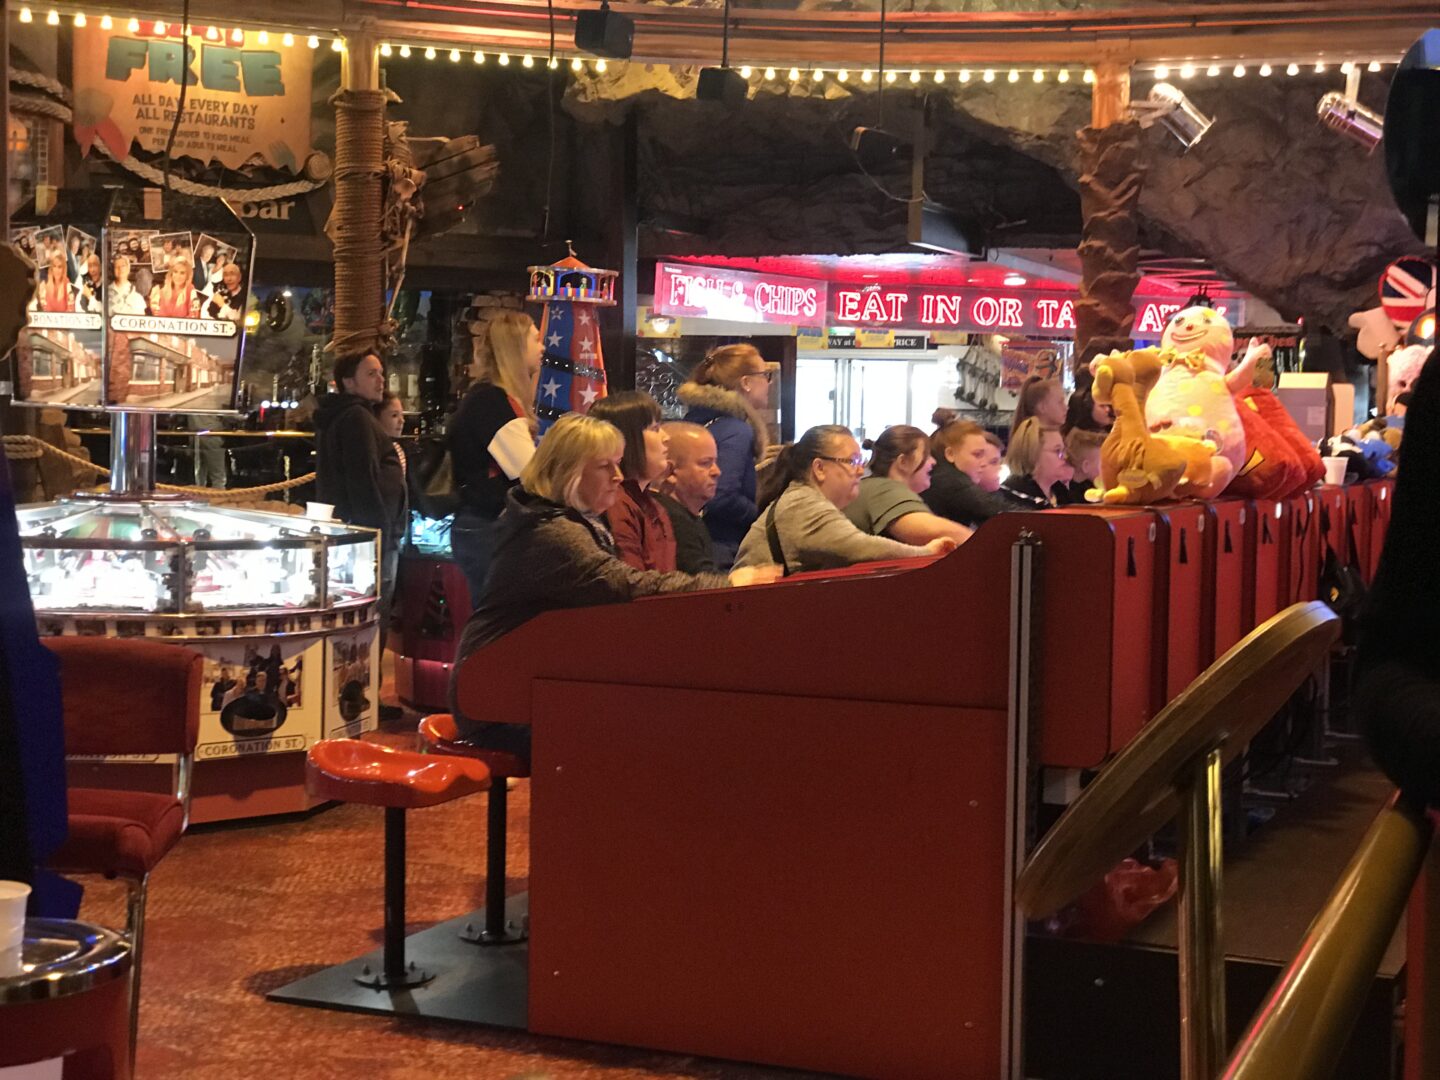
552	550
492	437
55	291
175	297
1038	467
725	396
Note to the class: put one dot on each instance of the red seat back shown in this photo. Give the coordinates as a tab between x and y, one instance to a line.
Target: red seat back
128	696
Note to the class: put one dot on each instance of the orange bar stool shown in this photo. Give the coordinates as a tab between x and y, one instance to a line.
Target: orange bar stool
349	770
441	735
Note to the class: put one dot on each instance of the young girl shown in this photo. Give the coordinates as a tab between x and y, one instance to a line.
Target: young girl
643	532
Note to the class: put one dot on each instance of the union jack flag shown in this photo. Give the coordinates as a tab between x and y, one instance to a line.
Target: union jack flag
572	374
1407	289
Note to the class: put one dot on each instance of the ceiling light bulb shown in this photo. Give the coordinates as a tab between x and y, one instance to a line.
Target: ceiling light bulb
577	64
1014	75
552	64
313	41
1213	70
26	16
890	76
80	18
289	39
817	74
106	22
867	76
454	56
404	50
939	76
527	61
794	74
769	74
843	75
746	72
1187	71
915	76
385	49
964	74
53	19
1039	75
1089	75
600	65
1239	71
504	61
133	25
337	45
263	37
212	33
1162	73
159	28
1293	69
989	75
1374	66
1319	69
1347	67
478	57
1264	71
237	36
430	52
1062	76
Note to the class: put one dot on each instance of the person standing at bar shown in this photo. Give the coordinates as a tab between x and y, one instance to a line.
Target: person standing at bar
492	438
725	395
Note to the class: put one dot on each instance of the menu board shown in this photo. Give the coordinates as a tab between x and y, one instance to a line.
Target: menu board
59	358
175	296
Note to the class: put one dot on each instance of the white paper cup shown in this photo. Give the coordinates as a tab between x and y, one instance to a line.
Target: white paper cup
1334	469
14	895
320	511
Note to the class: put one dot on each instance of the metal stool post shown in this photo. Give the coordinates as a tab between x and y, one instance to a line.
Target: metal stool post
395	974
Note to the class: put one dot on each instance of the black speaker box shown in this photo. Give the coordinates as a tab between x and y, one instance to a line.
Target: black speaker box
605	33
725	85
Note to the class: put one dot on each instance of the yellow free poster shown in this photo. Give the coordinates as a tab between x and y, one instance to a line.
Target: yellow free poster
242	99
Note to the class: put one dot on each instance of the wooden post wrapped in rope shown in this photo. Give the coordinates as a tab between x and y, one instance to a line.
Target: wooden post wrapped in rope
354	226
1110	182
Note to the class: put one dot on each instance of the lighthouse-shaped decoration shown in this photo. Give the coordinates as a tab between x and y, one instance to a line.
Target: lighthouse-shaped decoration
572	375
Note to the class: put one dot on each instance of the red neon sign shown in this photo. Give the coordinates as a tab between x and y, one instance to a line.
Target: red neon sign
708	292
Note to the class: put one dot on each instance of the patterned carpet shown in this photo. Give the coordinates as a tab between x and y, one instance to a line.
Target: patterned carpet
237	911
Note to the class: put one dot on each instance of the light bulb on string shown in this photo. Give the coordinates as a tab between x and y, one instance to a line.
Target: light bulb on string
1063	75
454	56
159	28
527	61
337	45
600	65
1213	70
939	75
794	74
890	76
1346	68
577	64
263	37
1039	75
1089	76
504	60
1162	73
289	39
1014	76
989	75
133	25
312	41
478	57
53	19
1239	71
964	75
769	74
915	75
405	52
817	74
106	22
746	71
1265	71
212	33
80	19
553	63
867	76
385	49
430	52
26	15
1374	66
1187	71
237	36
843	75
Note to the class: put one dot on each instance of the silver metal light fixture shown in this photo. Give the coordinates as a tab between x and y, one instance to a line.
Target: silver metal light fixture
1168	106
1351	119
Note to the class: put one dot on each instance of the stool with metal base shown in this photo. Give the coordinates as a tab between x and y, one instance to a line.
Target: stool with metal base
348	770
1173	769
440	735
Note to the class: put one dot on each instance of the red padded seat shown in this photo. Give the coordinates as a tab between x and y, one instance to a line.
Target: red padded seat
118	833
350	770
441	735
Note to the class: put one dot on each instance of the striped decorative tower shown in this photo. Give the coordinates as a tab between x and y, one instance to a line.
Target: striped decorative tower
572	375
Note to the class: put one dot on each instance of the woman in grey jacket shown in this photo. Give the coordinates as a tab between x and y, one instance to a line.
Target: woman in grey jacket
804	527
553	551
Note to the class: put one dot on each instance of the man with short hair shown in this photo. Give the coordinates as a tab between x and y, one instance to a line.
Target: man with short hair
694	472
357	469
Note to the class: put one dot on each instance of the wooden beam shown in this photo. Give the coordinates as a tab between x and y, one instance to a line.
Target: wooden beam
1110	96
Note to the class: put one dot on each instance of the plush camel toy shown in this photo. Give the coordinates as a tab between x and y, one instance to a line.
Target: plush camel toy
1136	467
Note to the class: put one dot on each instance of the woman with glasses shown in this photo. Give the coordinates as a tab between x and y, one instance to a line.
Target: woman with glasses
726	395
642	529
889	502
803	527
1039	470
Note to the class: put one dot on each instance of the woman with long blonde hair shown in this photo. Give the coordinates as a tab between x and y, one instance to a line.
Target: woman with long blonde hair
175	297
492	437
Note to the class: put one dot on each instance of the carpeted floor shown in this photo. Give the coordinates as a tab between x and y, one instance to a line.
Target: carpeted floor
237	911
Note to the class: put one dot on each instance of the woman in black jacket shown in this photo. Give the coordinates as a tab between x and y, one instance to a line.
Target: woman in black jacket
552	550
492	437
1038	468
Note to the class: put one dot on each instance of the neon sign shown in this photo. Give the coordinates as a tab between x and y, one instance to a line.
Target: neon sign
708	292
1018	311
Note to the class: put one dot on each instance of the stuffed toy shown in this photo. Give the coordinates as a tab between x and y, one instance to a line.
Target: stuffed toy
1280	461
1192	398
1404	369
1136	466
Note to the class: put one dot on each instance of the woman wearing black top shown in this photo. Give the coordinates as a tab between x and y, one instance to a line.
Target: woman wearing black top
492	437
1038	468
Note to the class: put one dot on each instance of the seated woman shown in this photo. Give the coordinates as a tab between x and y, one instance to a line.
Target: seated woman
1038	469
964	485
552	550
1082	451
642	529
889	502
801	526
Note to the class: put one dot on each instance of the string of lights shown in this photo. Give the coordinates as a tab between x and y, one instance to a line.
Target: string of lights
768	72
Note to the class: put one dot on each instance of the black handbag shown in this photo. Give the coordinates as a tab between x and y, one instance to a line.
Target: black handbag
436	494
1341	585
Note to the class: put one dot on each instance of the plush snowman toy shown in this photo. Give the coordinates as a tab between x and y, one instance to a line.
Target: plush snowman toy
1193	398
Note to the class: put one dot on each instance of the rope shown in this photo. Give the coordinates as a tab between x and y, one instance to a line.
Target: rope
27	448
36	81
189	187
355	223
36	105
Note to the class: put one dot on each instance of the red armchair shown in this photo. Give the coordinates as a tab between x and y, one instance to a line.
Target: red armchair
127	697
